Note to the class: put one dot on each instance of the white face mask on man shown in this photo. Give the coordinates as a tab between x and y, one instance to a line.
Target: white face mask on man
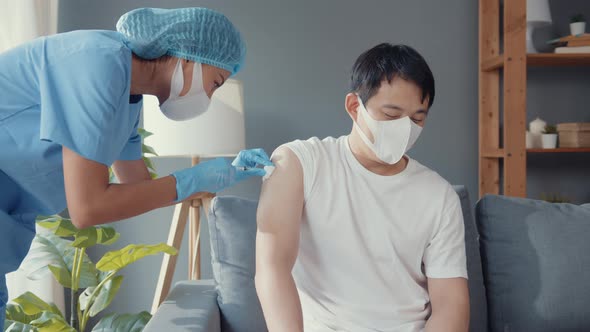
391	139
192	104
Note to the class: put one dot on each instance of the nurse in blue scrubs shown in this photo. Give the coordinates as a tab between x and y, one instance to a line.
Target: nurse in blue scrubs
70	107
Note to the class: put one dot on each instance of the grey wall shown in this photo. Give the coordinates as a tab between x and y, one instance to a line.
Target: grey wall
299	56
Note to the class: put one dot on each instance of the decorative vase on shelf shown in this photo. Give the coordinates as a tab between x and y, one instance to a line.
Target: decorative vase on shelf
538	15
537	126
530	139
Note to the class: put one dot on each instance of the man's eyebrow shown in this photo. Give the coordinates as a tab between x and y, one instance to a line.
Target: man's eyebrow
398	108
392	106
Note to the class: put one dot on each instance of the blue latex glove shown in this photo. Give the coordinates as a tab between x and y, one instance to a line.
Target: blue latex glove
252	158
217	174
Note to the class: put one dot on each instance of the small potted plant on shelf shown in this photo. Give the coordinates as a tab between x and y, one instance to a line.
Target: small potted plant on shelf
578	24
549	138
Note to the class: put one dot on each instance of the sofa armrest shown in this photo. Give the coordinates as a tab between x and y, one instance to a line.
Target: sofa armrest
190	306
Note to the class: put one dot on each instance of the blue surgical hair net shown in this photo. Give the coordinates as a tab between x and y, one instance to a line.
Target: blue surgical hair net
196	34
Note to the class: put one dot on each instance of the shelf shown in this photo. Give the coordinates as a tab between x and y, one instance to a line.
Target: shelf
541	60
552	59
499	153
559	150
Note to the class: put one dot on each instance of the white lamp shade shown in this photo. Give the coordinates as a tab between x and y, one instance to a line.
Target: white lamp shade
219	132
537	12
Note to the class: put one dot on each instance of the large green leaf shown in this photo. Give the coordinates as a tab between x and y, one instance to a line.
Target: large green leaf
50	250
123	322
144	133
50	322
14	326
16	313
150	167
95	235
61	274
146	149
148	163
104	298
31	304
58	225
116	260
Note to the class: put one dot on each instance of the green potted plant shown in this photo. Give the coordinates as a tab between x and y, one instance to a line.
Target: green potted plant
549	138
62	253
577	24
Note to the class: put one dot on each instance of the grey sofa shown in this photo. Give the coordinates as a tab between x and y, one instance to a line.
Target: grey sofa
535	258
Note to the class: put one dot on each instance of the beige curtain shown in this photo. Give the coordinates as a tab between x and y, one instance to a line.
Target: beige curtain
21	21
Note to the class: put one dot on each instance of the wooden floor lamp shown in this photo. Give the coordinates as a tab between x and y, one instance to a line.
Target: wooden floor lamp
219	132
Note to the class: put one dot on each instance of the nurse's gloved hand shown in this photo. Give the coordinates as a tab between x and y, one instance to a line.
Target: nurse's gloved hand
210	176
252	158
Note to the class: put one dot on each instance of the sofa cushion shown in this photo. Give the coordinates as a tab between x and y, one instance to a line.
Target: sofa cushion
190	306
536	264
232	228
477	296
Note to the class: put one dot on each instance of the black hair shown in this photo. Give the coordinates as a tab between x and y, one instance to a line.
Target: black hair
163	58
386	61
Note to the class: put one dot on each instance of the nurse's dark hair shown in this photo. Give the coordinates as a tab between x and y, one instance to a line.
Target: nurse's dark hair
163	58
385	62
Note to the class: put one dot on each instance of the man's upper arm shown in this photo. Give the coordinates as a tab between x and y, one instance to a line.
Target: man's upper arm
279	213
449	300
443	290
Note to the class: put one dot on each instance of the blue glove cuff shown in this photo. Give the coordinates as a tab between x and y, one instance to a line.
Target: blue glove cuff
184	182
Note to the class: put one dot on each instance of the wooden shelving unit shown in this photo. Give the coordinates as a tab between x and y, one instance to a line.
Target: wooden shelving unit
514	62
541	60
559	150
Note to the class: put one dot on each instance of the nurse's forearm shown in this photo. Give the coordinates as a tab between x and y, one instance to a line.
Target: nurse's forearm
92	200
122	201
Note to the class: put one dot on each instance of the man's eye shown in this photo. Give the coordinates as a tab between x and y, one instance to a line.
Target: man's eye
217	85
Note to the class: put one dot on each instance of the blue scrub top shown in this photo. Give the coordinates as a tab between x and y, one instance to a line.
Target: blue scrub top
72	90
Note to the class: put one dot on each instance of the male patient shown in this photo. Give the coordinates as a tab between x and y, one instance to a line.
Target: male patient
353	235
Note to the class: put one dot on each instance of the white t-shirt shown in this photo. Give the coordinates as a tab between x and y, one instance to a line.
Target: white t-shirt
368	242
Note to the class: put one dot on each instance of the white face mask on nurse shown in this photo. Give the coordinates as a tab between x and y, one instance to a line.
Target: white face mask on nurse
184	88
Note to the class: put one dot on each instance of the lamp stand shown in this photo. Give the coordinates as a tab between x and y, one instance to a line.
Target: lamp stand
182	212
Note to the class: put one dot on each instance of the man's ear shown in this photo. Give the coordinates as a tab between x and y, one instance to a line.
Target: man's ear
351	103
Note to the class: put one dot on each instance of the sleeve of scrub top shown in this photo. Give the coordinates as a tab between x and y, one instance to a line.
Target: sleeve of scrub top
81	94
445	256
132	150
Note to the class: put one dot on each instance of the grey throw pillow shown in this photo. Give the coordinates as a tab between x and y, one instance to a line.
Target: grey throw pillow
536	264
232	228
